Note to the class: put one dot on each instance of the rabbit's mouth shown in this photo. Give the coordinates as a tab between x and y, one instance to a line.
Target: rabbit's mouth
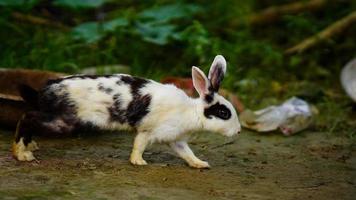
231	133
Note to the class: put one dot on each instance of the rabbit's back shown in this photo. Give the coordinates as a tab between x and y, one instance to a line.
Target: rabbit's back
108	102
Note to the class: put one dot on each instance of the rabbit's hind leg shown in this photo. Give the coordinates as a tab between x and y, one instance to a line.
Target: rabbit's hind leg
183	150
39	123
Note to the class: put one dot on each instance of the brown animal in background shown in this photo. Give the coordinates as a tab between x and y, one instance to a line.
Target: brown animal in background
12	106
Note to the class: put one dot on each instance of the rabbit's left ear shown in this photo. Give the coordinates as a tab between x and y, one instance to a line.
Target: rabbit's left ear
217	72
200	82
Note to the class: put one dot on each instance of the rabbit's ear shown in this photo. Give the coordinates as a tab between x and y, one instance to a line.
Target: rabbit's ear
217	72
200	82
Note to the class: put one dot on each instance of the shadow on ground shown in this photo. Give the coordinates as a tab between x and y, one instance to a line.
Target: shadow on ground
310	165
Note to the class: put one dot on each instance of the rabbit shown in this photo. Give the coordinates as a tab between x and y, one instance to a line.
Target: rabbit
158	112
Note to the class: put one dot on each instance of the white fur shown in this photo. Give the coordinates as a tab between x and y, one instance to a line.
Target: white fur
92	104
183	150
170	110
173	115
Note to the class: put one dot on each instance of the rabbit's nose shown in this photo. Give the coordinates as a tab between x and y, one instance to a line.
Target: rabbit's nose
238	132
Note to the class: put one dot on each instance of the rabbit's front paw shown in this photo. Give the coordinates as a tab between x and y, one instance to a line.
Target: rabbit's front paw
137	160
199	164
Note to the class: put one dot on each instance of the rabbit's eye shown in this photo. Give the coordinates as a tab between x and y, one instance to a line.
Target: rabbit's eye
223	114
218	110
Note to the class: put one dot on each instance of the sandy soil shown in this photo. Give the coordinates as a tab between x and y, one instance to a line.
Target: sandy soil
310	165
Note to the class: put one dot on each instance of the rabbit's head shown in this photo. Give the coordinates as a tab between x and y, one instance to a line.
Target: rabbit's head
218	114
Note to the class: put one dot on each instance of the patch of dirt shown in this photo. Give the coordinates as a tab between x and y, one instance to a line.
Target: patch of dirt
310	165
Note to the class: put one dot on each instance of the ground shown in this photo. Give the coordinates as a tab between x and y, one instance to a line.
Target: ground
309	165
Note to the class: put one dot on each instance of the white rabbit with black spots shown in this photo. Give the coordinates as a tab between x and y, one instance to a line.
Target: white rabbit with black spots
158	112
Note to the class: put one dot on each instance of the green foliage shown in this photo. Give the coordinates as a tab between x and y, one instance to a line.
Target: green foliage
94	31
24	4
166	13
155	33
16	2
197	39
79	4
153	25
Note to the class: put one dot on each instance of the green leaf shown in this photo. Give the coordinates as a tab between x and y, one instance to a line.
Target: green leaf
156	33
77	4
155	26
89	32
94	31
169	12
113	24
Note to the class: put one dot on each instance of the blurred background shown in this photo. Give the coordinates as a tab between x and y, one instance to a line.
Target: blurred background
275	49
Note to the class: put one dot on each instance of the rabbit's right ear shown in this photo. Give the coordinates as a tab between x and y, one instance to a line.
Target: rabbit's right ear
217	72
200	81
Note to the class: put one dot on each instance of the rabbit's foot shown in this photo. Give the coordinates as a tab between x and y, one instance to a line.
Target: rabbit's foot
21	153
199	164
25	156
137	160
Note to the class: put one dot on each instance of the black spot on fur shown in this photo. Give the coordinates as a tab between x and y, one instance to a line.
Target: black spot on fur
108	90
135	83
209	97
53	81
210	88
219	111
116	97
41	123
137	109
102	88
29	94
127	79
86	128
116	113
139	106
89	76
55	99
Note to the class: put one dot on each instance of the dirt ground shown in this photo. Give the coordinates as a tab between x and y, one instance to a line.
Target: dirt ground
310	165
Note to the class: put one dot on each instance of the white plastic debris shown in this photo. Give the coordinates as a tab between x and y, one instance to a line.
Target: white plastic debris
348	78
291	117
